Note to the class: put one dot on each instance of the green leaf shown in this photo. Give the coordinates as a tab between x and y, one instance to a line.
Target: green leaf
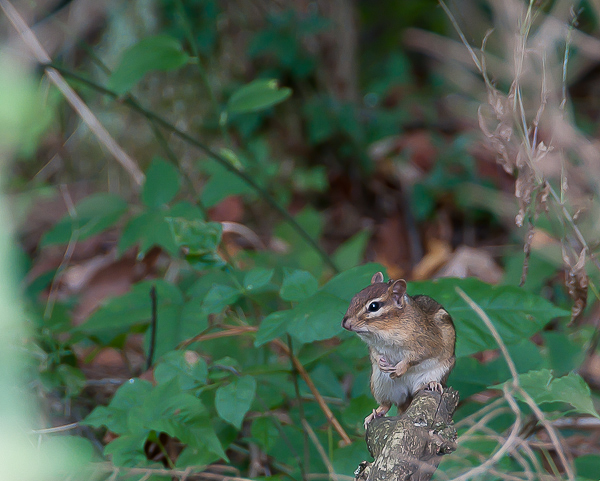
118	314
127	450
516	314
160	52
257	95
197	236
264	432
234	400
344	459
162	183
222	184
317	318
298	285
193	318
571	389
587	466
114	416
93	214
353	413
148	229
326	381
257	278
219	297
273	326
351	252
188	368
348	283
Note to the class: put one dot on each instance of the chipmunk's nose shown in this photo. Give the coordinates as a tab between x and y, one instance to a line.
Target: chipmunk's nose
345	323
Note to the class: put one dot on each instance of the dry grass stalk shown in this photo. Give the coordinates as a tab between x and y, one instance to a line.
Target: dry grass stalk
533	138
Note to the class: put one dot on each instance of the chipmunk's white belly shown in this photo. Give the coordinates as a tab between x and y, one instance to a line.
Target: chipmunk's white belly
396	391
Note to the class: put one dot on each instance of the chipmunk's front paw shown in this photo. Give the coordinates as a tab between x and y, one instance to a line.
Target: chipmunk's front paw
434	386
384	365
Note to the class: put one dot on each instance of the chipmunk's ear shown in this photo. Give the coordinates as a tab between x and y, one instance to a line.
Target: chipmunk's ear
397	291
377	278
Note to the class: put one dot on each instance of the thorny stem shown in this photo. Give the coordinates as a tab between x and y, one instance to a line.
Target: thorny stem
211	153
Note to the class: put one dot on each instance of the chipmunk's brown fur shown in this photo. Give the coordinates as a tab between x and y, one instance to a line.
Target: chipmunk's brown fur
411	341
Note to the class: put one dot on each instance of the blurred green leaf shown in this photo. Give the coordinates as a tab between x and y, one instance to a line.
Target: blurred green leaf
351	252
219	297
298	285
587	466
564	352
318	317
197	236
257	95
114	416
189	369
273	326
127	450
326	381
221	184
346	284
118	314
516	313
544	388
160	52
357	409
234	400
148	229
344	459
264	432
193	318
162	183
257	278
94	214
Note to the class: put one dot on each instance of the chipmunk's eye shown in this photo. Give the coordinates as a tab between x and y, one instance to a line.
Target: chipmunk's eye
374	306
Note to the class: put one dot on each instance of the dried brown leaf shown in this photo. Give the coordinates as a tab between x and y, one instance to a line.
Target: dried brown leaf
576	281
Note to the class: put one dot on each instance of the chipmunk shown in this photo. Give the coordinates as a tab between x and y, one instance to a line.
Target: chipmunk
411	341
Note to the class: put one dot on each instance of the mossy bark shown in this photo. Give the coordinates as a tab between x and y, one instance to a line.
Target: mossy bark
411	446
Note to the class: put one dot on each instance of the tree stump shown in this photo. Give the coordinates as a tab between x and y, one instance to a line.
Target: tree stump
411	446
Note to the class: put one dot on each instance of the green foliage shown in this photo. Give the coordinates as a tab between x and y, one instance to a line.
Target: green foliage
222	378
571	389
257	95
92	215
162	183
234	400
160	52
517	314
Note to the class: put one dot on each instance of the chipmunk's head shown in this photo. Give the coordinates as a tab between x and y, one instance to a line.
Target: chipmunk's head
377	312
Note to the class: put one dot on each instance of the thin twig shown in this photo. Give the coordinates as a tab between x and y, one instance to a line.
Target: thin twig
56	429
70	95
